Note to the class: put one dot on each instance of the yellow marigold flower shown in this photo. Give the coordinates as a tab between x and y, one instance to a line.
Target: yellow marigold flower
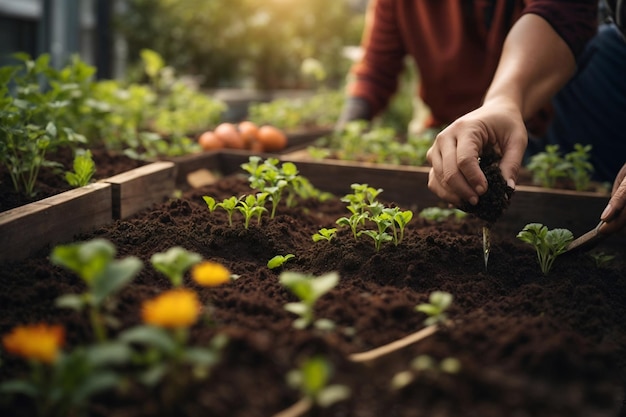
172	309
35	341
210	274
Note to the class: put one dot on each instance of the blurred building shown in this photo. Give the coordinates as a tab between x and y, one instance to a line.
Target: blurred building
62	28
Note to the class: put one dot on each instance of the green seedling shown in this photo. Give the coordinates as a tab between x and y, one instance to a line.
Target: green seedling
279	260
549	244
548	166
312	379
399	219
174	262
250	206
93	261
601	259
325	234
435	309
383	221
308	289
425	363
581	169
229	205
84	169
438	214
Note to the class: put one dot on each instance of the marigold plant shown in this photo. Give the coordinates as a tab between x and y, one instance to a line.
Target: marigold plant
40	342
210	274
177	308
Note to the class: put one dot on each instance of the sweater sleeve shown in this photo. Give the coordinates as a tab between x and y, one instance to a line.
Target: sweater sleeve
376	75
575	21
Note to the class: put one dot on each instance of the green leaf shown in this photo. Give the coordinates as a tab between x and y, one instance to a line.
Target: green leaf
279	260
87	259
153	63
149	336
332	394
174	263
109	353
74	301
97	382
296	308
115	276
19	387
200	356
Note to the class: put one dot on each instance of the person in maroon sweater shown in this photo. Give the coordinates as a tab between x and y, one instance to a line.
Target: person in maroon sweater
486	69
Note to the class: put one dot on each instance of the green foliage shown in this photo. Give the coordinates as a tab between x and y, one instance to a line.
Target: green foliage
174	262
38	115
320	110
435	309
312	379
365	210
262	43
601	259
84	169
325	234
65	387
549	244
358	141
93	261
439	214
279	260
250	206
580	168
308	289
428	364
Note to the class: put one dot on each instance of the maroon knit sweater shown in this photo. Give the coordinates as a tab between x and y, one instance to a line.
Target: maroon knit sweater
456	45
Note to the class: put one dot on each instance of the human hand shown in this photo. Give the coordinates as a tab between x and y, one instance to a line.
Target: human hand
614	215
455	175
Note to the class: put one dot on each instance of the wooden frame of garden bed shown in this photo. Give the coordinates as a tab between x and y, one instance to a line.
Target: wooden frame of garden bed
27	229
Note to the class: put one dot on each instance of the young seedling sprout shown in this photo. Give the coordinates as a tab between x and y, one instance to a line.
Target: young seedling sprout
84	168
549	244
580	167
312	380
435	309
325	234
278	260
425	363
308	289
228	204
93	261
174	262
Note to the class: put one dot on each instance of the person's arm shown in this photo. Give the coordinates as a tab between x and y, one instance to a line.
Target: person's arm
535	63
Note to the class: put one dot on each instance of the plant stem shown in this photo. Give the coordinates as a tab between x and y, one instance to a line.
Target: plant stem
395	345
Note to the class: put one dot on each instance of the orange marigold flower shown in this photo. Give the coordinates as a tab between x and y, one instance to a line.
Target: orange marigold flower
35	341
210	274
172	309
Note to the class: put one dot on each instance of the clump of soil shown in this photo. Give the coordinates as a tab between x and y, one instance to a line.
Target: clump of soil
497	198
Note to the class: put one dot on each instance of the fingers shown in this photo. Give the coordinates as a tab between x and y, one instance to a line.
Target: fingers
615	213
455	175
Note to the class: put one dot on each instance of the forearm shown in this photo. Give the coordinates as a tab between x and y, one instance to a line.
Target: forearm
535	63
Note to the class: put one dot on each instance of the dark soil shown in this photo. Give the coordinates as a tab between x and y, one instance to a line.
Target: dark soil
529	345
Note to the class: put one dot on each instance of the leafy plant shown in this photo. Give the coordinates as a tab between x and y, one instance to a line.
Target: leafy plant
84	169
325	234
93	261
425	363
549	244
61	384
174	263
548	166
308	289
601	259
435	309
580	169
439	214
229	205
279	260
251	206
312	379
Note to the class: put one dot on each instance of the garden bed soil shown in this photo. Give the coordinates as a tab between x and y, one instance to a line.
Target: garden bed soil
529	345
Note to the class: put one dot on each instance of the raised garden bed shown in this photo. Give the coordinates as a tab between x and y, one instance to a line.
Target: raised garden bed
528	344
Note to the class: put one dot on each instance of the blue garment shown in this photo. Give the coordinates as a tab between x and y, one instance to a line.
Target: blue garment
591	108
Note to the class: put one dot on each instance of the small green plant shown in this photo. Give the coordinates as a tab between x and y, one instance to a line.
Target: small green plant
229	205
308	289
601	259
438	214
279	260
84	169
548	166
174	262
425	363
251	206
325	234
580	169
93	261
312	379
549	244
435	309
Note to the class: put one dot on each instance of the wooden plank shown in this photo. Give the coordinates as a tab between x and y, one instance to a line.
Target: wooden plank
57	219
142	187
